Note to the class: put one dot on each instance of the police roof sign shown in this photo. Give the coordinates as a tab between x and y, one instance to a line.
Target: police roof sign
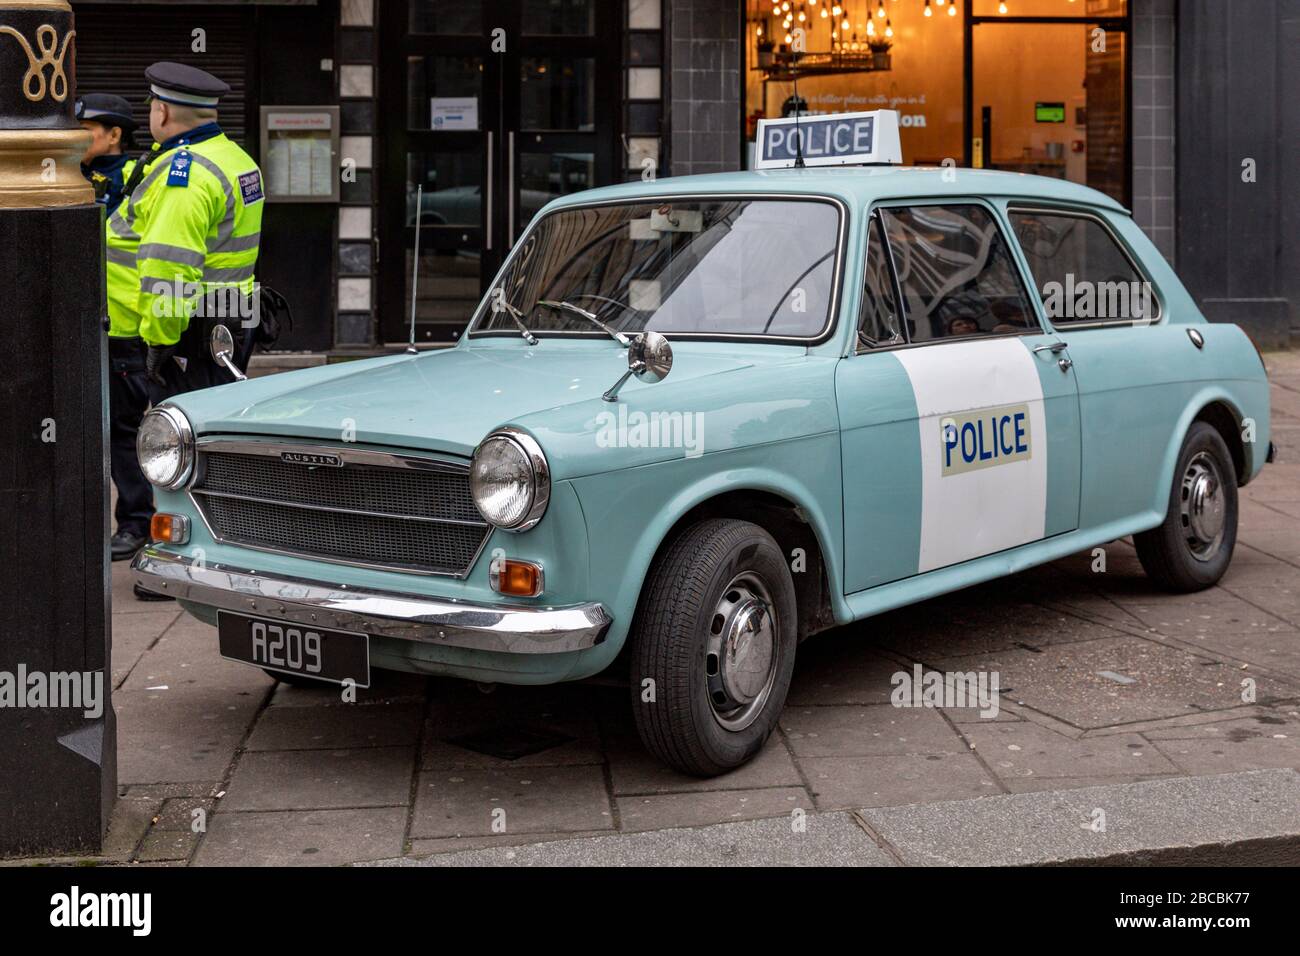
836	139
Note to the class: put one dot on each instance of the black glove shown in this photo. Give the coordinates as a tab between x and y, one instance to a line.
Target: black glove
156	361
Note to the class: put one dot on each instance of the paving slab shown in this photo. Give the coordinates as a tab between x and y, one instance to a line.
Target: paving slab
1020	750
336	727
842	666
302	837
180	735
1252	743
385	687
523	800
659	811
868	731
1105	682
321	779
833	839
462	718
1141	820
633	770
839	783
133	634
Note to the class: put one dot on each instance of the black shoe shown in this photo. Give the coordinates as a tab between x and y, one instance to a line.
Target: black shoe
142	595
124	545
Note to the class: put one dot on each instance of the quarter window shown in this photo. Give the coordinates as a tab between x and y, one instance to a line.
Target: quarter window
957	276
879	324
1081	272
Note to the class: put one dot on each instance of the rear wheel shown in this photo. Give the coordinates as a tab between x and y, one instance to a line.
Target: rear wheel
713	647
1192	548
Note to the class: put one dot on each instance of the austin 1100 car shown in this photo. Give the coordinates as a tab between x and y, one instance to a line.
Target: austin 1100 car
695	421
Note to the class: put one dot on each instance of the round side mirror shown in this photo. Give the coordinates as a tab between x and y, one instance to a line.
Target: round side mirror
650	357
222	344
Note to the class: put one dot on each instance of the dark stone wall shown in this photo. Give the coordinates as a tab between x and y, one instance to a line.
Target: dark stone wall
704	103
1238	84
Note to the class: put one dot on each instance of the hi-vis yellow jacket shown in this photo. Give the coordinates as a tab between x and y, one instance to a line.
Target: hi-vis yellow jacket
192	226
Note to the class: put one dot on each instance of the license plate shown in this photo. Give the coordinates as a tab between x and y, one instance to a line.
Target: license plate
334	656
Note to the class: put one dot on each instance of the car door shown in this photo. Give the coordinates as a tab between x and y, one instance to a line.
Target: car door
959	413
1132	363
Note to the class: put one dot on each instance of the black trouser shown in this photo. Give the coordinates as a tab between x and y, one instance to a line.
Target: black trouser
130	393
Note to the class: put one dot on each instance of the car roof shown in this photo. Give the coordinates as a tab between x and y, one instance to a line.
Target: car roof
858	185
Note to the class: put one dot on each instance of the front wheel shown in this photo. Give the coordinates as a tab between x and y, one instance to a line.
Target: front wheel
713	647
1191	549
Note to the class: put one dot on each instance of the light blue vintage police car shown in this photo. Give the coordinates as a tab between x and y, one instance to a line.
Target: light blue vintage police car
697	420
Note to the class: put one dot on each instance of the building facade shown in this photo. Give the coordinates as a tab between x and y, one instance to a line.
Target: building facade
486	110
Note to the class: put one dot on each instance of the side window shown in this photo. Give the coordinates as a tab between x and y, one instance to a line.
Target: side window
879	324
1081	272
956	273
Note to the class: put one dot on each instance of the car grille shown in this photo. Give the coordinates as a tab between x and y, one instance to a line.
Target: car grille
409	519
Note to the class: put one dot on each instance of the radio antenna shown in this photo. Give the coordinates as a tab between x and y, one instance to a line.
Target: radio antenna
415	271
798	136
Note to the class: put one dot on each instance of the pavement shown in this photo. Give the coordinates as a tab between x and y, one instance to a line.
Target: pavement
1177	718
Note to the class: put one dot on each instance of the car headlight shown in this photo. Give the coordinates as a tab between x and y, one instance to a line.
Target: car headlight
165	446
510	480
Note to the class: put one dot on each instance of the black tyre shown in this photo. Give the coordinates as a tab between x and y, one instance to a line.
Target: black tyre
712	647
1191	550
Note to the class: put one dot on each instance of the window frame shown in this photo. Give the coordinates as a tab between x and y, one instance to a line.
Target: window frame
472	330
1135	263
1003	226
876	226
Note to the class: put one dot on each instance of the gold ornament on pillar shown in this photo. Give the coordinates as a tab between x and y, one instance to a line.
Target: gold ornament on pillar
41	143
47	39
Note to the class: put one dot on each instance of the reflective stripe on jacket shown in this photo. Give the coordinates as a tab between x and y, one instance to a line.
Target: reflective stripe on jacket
192	226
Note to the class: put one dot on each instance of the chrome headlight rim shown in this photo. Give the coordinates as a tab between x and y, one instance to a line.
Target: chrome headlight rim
541	476
185	433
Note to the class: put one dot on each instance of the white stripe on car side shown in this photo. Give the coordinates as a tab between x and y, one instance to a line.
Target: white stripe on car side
972	513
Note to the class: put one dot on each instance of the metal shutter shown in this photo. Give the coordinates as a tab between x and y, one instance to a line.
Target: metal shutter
117	42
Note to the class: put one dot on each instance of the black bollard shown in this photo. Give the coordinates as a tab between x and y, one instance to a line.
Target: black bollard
58	757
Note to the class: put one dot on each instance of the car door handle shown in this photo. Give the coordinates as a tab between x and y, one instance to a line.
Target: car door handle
1053	348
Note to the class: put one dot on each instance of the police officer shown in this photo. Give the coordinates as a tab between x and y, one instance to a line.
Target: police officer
193	227
106	164
108	119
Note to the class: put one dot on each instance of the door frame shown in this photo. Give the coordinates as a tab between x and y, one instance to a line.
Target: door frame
499	119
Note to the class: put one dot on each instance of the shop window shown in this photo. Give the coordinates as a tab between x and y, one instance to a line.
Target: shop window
904	61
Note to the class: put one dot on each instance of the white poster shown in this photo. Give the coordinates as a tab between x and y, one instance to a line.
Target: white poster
453	112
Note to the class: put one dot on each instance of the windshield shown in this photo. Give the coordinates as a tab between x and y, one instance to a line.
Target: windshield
702	267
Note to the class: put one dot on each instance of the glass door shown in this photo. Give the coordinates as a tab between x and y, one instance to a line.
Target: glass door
502	101
1060	112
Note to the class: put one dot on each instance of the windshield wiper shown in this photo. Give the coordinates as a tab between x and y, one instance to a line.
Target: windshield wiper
517	316
618	336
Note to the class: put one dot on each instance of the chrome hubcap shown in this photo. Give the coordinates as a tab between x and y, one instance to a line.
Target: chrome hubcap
741	651
1203	508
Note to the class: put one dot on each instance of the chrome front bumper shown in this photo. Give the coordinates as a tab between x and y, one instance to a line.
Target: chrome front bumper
444	622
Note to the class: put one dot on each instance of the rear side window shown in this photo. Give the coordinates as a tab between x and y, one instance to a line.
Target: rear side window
1082	273
956	273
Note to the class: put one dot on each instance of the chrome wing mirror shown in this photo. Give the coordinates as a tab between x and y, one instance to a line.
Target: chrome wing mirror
649	358
222	346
